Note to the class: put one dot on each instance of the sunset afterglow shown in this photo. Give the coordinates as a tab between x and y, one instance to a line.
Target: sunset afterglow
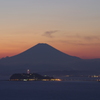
71	26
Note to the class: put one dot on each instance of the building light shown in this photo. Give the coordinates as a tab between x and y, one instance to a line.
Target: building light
28	71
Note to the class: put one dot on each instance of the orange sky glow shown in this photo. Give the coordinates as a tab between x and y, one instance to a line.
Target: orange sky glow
72	27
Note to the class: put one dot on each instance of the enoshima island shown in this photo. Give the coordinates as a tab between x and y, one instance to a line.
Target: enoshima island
31	77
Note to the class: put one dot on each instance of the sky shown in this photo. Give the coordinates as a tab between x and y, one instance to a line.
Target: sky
71	26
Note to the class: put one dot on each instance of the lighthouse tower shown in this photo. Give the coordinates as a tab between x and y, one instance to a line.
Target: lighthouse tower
28	71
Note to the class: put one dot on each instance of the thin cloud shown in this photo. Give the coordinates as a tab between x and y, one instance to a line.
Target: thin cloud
50	33
91	38
75	42
88	38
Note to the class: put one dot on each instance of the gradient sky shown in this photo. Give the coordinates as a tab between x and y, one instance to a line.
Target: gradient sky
72	26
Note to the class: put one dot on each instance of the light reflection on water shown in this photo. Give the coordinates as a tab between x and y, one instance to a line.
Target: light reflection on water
38	90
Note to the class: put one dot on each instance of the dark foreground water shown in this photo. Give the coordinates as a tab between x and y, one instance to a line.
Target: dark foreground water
37	90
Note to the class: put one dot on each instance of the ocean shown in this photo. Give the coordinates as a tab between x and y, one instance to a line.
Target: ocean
45	90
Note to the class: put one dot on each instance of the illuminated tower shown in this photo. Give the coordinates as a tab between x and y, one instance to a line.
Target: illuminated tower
28	71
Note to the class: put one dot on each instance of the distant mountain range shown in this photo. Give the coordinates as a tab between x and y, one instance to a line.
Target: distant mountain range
43	57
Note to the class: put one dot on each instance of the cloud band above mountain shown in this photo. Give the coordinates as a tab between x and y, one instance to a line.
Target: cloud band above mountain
50	33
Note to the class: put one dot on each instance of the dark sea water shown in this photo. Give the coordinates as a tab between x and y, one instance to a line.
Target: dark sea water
38	90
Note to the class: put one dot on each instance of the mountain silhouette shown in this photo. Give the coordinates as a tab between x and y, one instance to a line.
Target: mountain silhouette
43	57
41	53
